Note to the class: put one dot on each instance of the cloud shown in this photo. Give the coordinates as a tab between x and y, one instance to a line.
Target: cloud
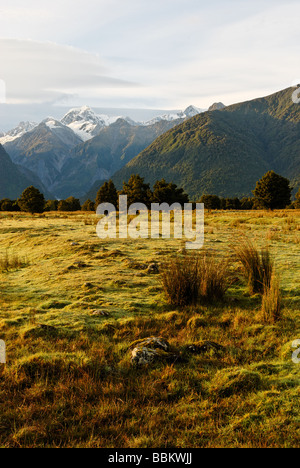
2	92
41	72
168	54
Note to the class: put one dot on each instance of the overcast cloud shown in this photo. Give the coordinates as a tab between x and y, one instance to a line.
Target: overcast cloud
135	53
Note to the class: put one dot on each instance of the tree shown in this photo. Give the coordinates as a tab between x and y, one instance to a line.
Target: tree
259	204
246	203
137	191
51	205
6	205
15	207
164	192
63	206
32	200
273	191
223	203
88	206
9	205
70	204
297	202
74	204
232	204
107	194
211	202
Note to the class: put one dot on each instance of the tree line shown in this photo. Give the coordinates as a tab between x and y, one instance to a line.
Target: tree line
272	191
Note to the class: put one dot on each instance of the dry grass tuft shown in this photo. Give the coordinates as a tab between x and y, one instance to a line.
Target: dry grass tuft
257	265
271	301
190	279
11	262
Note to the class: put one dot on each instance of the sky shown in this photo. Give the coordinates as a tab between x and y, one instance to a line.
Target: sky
137	54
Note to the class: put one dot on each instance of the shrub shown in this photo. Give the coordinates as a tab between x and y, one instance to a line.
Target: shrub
11	262
189	279
271	301
257	266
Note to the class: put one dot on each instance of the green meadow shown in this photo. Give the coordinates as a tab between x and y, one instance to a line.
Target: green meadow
71	305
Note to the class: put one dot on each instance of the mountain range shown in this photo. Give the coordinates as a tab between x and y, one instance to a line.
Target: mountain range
14	179
70	155
224	152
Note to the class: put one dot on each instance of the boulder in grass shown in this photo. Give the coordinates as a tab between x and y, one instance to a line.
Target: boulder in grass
153	342
150	350
142	356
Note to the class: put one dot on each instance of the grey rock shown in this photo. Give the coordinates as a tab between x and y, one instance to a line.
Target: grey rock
151	350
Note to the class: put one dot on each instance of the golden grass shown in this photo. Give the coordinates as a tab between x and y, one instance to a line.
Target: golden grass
68	381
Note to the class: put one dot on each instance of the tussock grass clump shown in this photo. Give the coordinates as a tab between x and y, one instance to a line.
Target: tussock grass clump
214	278
180	280
11	262
189	279
271	301
257	265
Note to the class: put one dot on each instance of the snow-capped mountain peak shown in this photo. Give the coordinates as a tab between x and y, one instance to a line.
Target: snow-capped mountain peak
81	114
52	123
17	132
191	111
86	123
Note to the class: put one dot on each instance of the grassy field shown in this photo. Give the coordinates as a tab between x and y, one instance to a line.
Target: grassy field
72	304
